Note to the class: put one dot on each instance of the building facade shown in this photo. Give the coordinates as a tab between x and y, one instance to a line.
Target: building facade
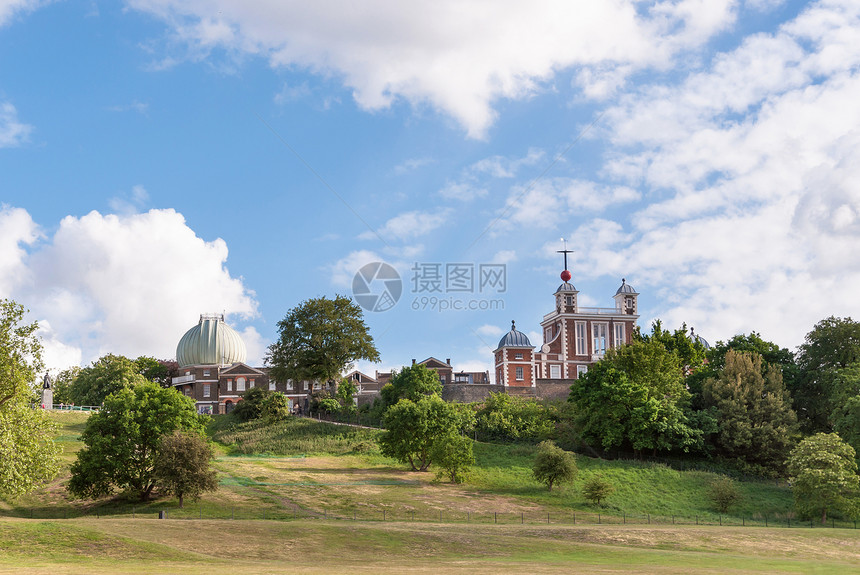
574	337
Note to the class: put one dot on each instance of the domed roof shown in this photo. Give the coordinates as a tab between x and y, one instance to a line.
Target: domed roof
515	338
625	288
696	337
210	342
566	286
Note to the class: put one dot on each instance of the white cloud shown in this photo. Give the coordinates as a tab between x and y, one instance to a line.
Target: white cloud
458	57
130	203
412	164
17	229
8	8
129	284
490	330
409	225
12	132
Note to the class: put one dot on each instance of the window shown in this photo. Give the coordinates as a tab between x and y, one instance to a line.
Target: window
205	373
599	333
207	390
519	373
317	385
555	372
251	384
629	301
443	379
518	356
581	348
229	385
499	378
568	300
619	334
289	385
580	370
240	384
271	385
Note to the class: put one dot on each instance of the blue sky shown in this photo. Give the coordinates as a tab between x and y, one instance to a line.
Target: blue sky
161	158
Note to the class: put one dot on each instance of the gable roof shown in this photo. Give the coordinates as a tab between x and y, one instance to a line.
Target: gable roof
433	362
240	368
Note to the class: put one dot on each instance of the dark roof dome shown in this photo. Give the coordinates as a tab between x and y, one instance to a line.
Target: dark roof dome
625	288
515	338
697	338
566	286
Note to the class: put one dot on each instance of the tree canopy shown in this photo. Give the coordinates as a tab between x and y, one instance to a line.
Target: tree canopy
635	397
182	466
319	339
754	416
103	377
121	440
833	344
413	383
553	465
824	476
28	455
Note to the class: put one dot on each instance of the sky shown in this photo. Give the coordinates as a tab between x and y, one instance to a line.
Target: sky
160	159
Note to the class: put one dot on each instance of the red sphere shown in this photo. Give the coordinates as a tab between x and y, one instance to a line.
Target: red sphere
565	276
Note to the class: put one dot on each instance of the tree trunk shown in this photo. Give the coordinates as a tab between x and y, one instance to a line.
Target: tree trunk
180	500
824	516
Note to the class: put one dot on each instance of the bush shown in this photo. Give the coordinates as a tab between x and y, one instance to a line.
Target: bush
453	453
597	488
553	465
251	406
276	407
724	494
508	417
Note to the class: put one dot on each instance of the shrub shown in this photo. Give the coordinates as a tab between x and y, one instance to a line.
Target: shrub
453	453
553	465
724	494
597	488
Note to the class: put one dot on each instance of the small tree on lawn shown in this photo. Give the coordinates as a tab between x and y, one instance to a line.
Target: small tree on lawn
724	494
824	476
553	465
182	466
596	489
275	407
414	426
452	452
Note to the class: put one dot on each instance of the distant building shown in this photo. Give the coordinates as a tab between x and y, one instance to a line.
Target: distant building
574	337
446	372
211	357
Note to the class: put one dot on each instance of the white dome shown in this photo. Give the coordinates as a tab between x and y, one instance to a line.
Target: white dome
210	342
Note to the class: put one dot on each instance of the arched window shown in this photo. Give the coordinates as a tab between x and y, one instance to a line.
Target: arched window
228	406
240	384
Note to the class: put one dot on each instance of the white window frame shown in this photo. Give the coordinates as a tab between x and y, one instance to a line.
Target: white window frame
229	385
599	337
206	373
207	390
240	384
581	338
619	334
580	370
272	385
518	356
555	372
519	373
289	385
547	335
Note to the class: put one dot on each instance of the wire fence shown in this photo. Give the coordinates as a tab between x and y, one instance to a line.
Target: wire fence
448	515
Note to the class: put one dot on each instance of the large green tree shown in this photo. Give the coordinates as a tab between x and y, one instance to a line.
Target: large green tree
833	344
690	351
824	476
508	417
553	465
635	397
103	377
28	455
413	427
413	383
319	339
845	416
755	420
121	440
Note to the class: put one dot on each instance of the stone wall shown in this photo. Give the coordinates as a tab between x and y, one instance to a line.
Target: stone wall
553	388
469	392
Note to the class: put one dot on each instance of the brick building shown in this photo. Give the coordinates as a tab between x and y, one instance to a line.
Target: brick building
574	337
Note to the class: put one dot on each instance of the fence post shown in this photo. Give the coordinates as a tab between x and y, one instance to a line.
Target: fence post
598	518
383	514
673	520
468	516
574	517
721	520
232	513
495	517
522	518
547	519
132	512
765	520
440	516
624	517
697	519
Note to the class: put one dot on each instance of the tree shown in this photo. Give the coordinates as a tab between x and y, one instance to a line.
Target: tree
414	426
121	440
63	384
690	351
276	407
845	416
452	452
724	494
412	383
345	395
754	416
504	416
833	344
824	476
251	406
553	465
597	488
318	340
635	397
106	375
182	466
161	371
28	455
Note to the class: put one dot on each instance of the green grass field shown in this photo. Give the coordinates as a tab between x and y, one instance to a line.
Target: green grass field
312	497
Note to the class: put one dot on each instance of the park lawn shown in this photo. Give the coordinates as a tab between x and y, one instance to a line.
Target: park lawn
313	546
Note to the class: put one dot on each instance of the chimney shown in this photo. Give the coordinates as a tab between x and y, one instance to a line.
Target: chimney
448	361
413	361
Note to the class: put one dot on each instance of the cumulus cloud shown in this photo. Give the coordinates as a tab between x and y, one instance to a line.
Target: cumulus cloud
459	57
127	284
17	230
750	170
9	8
12	131
409	225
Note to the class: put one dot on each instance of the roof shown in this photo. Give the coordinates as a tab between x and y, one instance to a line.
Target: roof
211	342
566	286
625	288
515	338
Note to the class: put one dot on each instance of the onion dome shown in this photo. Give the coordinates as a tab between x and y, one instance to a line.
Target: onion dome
625	288
515	338
210	342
